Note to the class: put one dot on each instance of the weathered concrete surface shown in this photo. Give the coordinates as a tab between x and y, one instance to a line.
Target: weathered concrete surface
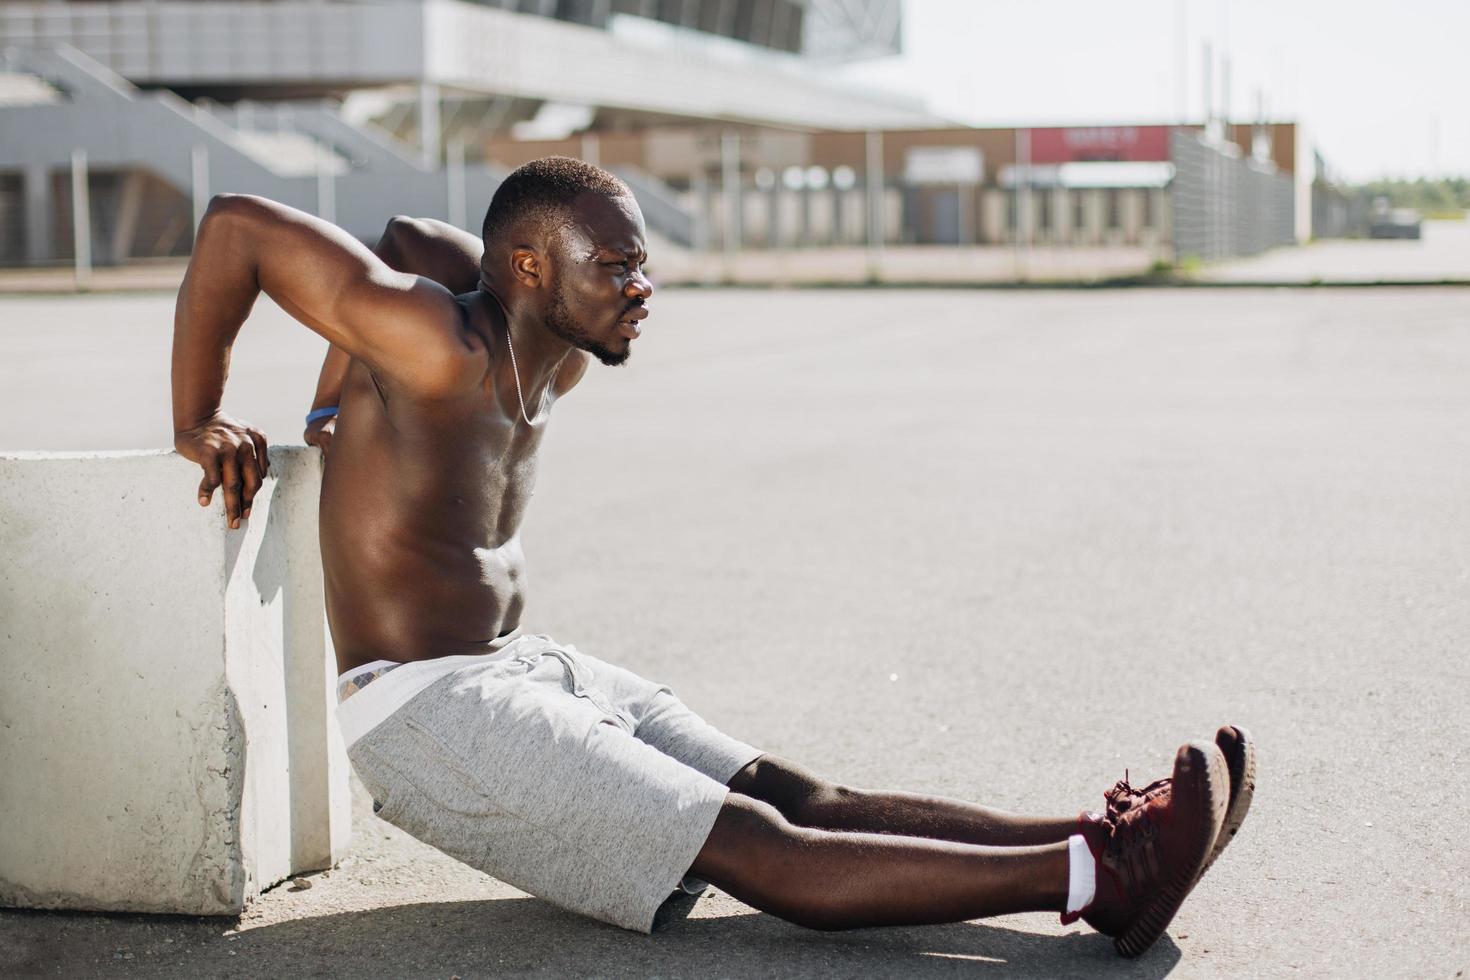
167	741
1077	528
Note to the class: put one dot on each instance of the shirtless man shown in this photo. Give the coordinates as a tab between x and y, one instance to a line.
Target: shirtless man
570	778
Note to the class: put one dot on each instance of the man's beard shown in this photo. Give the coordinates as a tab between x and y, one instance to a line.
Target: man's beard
560	322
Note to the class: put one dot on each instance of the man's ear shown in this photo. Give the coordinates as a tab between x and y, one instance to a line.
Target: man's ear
527	266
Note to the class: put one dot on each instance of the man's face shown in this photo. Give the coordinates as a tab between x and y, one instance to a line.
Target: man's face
599	292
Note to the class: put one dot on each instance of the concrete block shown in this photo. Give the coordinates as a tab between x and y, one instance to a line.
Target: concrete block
167	741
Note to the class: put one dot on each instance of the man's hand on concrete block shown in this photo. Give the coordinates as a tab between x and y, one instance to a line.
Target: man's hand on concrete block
232	454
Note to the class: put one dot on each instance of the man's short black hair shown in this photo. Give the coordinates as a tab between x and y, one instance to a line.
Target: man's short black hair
543	191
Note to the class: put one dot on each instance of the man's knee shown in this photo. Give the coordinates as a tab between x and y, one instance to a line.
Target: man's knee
801	796
748	842
761	858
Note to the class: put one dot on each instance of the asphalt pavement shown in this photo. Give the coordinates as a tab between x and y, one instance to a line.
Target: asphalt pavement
1440	254
1002	546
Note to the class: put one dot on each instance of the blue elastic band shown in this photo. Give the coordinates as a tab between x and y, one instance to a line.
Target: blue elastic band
320	413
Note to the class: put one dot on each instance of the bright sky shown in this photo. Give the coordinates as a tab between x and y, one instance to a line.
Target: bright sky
1380	86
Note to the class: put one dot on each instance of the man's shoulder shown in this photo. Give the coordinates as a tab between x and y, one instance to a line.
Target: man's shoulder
445	357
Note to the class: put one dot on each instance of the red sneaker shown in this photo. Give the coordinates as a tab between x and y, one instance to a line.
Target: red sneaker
1151	852
1239	750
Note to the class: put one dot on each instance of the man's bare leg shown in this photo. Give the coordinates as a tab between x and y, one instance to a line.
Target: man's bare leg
1144	862
807	800
842	880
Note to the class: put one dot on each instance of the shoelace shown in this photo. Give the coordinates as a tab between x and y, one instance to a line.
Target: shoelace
1123	797
1131	849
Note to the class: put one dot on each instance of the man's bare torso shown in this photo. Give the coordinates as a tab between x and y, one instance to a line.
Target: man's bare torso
421	511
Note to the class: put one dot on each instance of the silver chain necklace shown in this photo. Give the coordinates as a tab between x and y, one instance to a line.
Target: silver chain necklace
515	368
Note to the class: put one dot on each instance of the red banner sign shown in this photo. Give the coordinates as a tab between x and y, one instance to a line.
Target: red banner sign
1075	143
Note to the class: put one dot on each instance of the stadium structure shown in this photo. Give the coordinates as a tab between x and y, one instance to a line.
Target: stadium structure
118	120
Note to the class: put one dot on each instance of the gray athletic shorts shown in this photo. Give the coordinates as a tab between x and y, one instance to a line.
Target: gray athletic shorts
564	776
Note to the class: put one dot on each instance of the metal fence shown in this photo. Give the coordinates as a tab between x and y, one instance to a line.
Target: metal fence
1226	205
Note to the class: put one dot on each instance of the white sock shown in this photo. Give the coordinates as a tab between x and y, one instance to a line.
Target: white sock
1081	875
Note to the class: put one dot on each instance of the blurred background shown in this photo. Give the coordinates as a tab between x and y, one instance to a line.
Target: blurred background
768	141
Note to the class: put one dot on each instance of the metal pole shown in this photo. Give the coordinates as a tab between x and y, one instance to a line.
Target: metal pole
700	188
591	149
838	196
964	201
730	185
429	133
1181	61
1023	199
1207	64
805	196
199	181
1225	96
874	146
81	219
454	174
773	215
1258	134
40	246
326	186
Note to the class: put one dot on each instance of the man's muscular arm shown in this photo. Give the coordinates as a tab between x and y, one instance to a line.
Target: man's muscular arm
409	329
421	247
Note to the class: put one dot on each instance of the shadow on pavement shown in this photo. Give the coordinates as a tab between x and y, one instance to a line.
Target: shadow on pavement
525	936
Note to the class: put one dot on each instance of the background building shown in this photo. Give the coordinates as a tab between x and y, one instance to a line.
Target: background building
167	102
1173	191
118	120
